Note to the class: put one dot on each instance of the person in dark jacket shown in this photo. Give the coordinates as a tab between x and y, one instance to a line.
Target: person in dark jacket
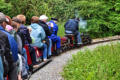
22	51
12	61
6	53
43	22
25	36
72	27
23	29
15	24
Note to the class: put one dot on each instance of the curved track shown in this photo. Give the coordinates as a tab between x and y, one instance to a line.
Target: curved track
53	69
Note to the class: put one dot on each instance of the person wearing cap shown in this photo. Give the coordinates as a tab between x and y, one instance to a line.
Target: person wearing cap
23	67
5	52
12	74
43	22
16	24
55	39
19	42
38	34
72	27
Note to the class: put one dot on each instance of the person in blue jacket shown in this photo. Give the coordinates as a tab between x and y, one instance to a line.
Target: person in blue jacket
72	27
55	39
13	47
38	36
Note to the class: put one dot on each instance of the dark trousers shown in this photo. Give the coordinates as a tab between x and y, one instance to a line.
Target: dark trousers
32	54
13	73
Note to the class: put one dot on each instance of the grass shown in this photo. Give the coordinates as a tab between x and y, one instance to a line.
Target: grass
103	63
61	30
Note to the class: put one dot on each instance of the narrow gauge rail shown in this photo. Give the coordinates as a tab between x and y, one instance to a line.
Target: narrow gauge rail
66	45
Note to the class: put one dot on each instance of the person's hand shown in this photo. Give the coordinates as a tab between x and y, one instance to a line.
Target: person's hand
19	77
44	41
30	29
51	24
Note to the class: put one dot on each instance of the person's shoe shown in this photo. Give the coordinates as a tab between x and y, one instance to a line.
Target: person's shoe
35	66
58	51
29	74
49	57
53	53
44	60
36	63
19	77
25	77
79	43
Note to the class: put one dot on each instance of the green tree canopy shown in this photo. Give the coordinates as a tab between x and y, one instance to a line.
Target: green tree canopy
103	18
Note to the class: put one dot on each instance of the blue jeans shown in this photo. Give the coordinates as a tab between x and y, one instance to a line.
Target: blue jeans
57	41
49	47
25	56
44	51
1	69
78	37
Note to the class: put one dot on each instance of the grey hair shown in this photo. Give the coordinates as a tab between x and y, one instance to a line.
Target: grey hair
2	17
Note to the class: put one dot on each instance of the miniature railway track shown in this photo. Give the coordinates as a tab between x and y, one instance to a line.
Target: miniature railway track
102	40
94	41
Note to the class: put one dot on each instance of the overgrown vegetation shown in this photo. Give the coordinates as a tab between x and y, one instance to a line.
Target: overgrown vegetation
103	18
99	64
61	31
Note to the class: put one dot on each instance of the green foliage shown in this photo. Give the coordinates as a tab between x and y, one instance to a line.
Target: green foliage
61	30
99	64
5	7
52	8
102	16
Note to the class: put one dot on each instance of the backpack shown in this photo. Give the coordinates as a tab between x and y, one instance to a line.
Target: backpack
24	34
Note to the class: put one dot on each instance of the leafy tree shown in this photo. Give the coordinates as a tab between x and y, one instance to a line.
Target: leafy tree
103	18
5	7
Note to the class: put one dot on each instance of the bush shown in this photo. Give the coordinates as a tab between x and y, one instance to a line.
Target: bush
99	64
102	16
5	8
61	30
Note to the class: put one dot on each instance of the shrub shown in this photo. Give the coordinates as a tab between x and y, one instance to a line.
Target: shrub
5	8
102	15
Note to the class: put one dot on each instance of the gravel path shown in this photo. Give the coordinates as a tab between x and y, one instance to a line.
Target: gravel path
52	70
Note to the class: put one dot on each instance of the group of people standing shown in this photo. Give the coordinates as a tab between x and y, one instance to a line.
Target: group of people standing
16	39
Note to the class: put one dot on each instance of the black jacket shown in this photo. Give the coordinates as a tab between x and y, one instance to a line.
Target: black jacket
5	46
45	27
23	32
